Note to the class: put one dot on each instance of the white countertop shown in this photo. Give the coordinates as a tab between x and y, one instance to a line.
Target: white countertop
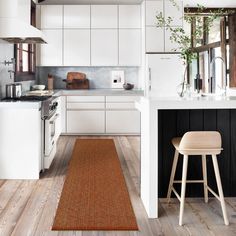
20	104
90	92
217	102
100	92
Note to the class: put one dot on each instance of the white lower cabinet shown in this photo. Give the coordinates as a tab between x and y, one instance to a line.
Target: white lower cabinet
85	122
123	122
102	115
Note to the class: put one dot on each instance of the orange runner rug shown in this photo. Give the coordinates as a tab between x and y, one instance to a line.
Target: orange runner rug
95	196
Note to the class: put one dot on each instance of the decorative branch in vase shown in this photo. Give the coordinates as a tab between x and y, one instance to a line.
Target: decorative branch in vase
183	39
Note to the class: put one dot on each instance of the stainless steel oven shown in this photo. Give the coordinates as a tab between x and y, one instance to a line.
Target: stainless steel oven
51	129
51	135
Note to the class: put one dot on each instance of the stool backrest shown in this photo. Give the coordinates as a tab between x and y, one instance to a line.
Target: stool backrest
204	140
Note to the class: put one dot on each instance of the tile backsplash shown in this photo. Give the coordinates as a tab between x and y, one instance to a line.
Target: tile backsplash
99	77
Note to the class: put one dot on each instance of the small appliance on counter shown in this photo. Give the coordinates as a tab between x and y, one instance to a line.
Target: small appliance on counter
76	80
13	90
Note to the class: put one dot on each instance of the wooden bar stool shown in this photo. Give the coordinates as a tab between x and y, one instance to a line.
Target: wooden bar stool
197	143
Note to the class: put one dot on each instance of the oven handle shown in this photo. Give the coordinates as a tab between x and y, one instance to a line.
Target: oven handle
54	118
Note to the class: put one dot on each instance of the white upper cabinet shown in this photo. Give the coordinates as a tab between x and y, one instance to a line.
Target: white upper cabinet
104	16
104	47
129	16
51	53
175	12
129	47
51	16
155	39
152	9
76	16
76	47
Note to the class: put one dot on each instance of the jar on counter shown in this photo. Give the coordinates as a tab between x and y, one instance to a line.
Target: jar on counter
50	82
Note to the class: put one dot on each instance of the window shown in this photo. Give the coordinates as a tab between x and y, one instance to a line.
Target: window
25	55
211	46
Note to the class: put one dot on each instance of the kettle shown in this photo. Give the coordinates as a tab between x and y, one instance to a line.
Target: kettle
14	90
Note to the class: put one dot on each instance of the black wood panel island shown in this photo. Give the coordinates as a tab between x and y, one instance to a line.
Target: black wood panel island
174	123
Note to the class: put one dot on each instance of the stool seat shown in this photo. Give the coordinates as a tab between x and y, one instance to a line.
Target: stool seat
176	141
197	151
197	143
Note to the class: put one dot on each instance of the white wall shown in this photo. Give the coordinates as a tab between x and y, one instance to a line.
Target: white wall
6	53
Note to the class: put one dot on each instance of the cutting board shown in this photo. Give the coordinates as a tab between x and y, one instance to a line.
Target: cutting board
76	80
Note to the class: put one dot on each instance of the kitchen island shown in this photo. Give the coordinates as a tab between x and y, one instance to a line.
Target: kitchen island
20	139
158	116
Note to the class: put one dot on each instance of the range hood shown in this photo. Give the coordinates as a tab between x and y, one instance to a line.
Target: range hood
13	28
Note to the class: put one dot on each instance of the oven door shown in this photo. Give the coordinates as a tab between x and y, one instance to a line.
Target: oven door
50	133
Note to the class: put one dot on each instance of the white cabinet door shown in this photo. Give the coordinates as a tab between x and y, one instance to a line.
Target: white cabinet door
104	16
104	47
129	16
166	72
85	99
152	9
76	47
85	122
123	122
155	39
129	47
169	45
122	98
175	12
51	16
51	53
76	16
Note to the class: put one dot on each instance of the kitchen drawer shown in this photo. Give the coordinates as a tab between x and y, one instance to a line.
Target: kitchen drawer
85	105
122	98
123	122
86	122
120	105
85	99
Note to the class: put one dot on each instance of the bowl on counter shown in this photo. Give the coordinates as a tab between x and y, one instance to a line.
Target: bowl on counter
38	87
128	86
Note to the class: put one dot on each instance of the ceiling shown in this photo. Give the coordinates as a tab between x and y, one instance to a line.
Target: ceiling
191	3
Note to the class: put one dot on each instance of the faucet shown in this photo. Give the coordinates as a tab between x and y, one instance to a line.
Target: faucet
11	72
12	62
224	78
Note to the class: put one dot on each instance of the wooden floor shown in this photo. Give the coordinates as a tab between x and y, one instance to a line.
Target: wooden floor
28	207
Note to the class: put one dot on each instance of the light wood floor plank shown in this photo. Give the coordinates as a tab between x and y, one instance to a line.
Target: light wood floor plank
28	208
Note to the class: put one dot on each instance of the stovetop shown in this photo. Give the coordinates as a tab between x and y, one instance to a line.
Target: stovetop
27	98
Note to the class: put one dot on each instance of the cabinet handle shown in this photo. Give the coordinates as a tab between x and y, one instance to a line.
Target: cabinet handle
150	79
165	58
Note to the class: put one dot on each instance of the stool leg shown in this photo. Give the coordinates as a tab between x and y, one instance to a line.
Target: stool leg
204	172
183	187
172	176
220	190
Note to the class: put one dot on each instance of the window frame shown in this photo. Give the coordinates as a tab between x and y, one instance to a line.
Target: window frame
21	75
